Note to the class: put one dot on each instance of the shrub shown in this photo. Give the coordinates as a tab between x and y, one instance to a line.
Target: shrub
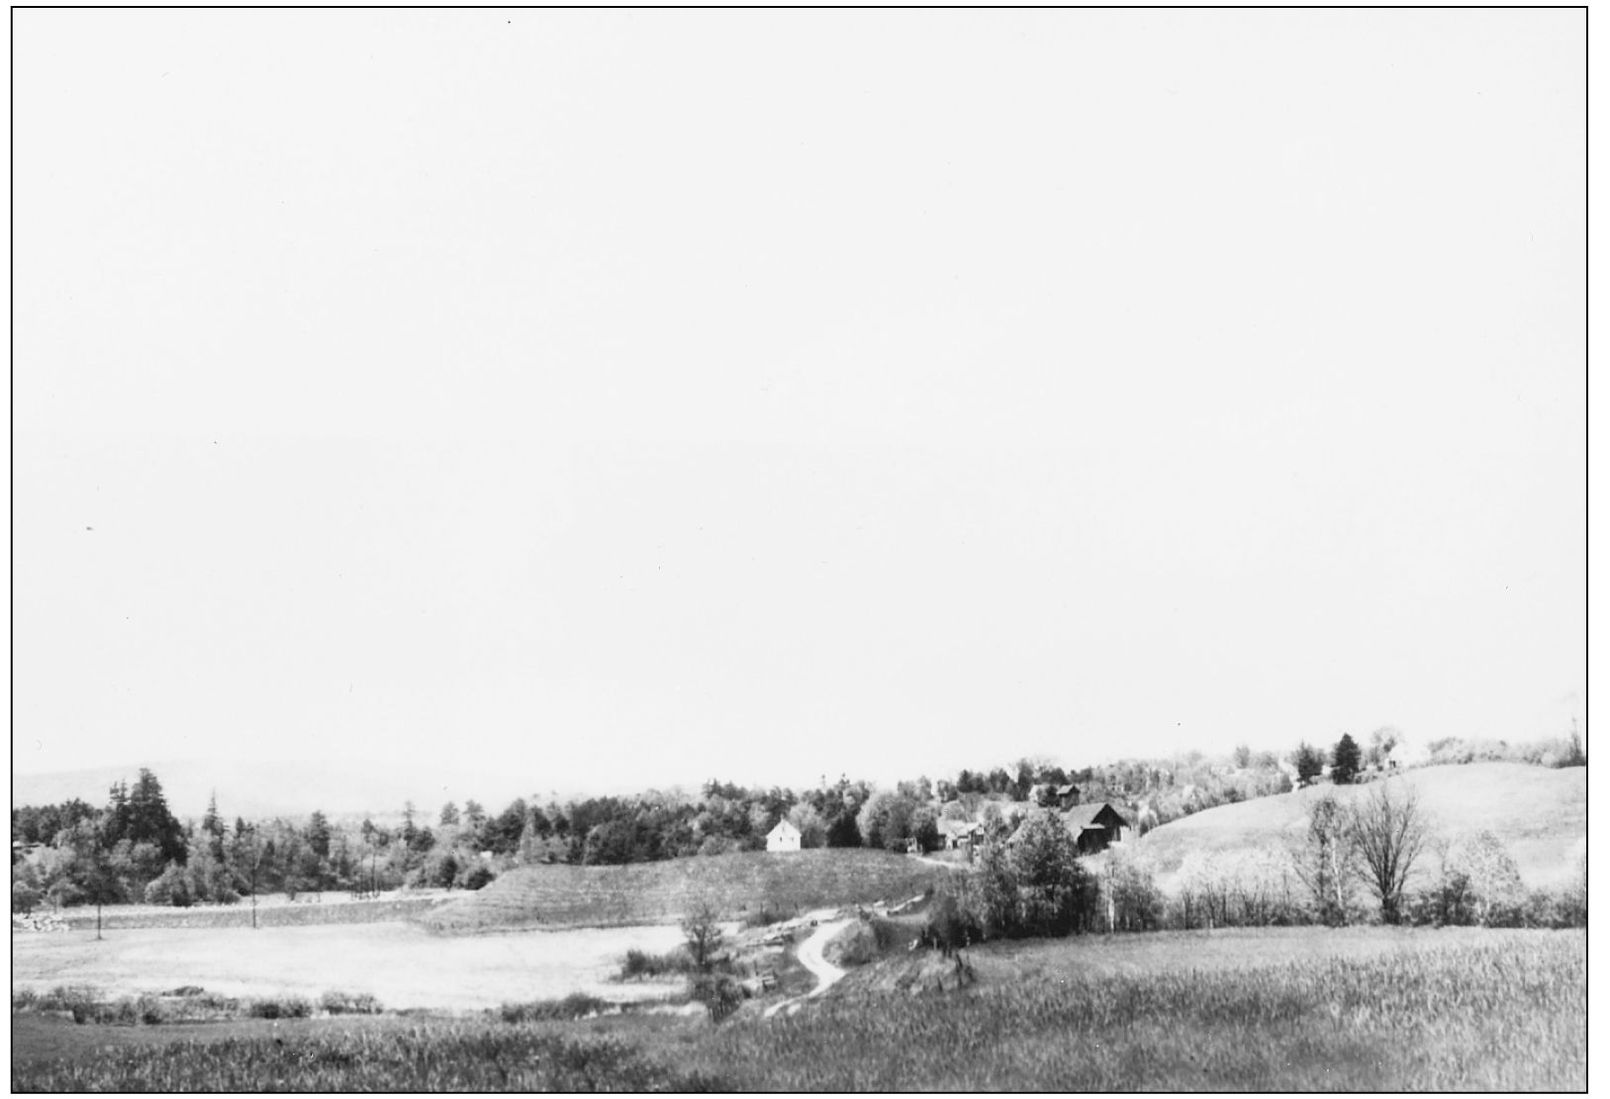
640	963
285	1007
857	944
720	994
349	1003
23	897
477	877
764	916
578	1005
172	887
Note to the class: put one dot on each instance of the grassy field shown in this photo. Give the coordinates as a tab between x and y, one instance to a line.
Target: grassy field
1540	814
658	892
402	965
1295	1009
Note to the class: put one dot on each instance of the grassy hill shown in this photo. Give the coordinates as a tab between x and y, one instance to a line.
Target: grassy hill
659	892
1540	814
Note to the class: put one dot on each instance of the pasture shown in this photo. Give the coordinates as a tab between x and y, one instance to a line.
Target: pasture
1539	814
1290	1009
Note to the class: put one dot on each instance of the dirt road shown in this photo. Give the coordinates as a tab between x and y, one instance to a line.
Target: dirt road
810	956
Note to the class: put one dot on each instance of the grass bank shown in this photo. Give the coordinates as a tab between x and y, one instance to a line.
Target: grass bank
660	892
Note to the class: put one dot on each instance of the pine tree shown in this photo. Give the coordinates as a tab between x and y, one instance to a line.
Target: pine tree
1344	761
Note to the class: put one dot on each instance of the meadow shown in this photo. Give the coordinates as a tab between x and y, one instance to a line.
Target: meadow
1293	1009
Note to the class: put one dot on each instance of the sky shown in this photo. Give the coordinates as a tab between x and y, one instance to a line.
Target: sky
631	398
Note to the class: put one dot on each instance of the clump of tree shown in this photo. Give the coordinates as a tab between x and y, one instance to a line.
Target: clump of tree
1035	885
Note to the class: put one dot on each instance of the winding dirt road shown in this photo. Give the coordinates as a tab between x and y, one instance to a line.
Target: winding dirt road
810	956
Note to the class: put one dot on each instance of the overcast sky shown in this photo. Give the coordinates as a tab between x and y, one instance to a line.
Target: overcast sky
641	397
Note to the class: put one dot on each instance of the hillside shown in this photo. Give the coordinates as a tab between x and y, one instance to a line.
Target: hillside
1540	814
658	892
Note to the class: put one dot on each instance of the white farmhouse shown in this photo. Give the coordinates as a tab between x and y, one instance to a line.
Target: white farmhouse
785	837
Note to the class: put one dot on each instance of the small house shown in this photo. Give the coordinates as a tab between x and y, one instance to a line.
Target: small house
785	837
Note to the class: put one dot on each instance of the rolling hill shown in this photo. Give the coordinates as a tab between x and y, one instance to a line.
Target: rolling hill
658	892
1540	814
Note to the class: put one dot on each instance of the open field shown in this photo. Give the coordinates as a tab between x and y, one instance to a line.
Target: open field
1539	814
272	911
1297	1009
403	965
659	892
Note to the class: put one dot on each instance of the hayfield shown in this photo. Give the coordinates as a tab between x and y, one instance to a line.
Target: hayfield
660	892
1540	814
1295	1010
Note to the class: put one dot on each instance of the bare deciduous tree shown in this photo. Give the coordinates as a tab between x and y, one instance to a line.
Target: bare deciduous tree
1326	860
1389	831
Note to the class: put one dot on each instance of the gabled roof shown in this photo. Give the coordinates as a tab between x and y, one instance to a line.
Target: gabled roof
1067	790
1081	817
784	827
959	827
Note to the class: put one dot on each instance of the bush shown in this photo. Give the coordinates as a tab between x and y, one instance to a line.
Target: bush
348	1003
720	994
578	1005
857	944
477	877
172	887
640	963
764	916
23	897
286	1007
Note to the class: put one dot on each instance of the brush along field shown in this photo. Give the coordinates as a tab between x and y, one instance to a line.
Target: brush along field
659	892
403	965
1294	1009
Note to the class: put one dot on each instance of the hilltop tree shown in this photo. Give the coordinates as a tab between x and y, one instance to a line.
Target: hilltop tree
1344	761
1310	763
449	816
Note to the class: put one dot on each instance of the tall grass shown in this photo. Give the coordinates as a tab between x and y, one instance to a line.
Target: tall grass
1490	1011
1495	1015
457	1056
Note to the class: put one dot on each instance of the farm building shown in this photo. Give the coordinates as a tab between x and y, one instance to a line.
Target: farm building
959	833
1095	826
785	837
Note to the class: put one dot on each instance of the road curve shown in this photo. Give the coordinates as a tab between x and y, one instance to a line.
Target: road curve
810	956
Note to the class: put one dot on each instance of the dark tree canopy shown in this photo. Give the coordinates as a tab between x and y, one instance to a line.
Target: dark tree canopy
1344	761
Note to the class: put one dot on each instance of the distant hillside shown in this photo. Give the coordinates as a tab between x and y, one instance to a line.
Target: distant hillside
1539	813
257	790
658	892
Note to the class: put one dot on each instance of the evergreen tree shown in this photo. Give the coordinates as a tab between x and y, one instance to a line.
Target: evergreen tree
1309	763
1344	761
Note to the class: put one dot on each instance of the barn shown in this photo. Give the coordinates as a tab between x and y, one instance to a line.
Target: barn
1095	826
785	837
959	833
